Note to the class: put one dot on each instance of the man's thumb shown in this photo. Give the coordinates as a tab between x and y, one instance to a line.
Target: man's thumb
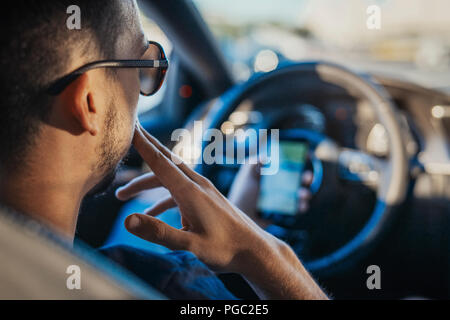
157	231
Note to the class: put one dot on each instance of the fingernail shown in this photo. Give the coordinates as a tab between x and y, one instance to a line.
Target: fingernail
133	222
117	193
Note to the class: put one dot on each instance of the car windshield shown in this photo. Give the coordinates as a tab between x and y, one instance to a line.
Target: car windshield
384	36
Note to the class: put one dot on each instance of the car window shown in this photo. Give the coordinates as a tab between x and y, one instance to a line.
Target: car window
256	35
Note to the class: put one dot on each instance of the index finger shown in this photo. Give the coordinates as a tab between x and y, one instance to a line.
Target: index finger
169	154
167	172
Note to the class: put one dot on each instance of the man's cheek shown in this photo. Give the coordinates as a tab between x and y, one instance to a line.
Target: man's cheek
125	130
130	114
132	90
130	128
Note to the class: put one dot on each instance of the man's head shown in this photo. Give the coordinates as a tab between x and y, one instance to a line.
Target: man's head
92	120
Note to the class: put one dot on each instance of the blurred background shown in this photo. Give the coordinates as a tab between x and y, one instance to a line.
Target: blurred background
258	35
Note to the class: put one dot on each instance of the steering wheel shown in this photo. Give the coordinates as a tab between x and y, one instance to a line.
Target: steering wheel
392	171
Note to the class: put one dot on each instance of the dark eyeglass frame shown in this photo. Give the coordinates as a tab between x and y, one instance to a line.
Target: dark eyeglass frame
59	85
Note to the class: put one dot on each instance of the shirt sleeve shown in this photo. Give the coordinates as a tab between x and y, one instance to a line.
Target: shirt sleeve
177	274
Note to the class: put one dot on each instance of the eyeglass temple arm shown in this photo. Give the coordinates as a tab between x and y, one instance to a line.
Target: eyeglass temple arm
58	86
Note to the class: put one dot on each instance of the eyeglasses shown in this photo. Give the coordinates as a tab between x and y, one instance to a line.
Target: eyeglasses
152	70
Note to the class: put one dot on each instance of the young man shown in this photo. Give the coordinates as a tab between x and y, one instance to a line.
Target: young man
63	136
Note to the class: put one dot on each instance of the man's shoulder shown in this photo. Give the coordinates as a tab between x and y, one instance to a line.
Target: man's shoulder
177	274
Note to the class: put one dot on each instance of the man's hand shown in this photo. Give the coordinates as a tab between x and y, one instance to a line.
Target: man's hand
217	232
244	192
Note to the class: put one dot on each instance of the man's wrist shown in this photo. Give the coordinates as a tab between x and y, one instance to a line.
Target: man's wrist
275	272
266	252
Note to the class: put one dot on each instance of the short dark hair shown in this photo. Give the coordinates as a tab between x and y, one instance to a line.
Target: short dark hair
35	47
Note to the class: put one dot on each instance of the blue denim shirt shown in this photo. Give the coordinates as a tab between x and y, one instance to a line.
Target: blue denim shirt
176	274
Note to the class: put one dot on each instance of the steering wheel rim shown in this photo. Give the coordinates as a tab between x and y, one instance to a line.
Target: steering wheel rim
393	186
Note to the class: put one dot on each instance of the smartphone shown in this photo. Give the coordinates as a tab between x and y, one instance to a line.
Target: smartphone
278	192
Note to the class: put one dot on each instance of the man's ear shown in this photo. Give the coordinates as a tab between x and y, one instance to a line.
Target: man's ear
78	99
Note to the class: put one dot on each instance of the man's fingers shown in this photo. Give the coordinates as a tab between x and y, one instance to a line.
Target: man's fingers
161	206
156	231
304	195
132	188
167	172
307	178
170	155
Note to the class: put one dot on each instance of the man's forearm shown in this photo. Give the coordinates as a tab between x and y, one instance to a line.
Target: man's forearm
277	273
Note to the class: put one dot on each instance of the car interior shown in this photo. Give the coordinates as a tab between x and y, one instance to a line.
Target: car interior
375	121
